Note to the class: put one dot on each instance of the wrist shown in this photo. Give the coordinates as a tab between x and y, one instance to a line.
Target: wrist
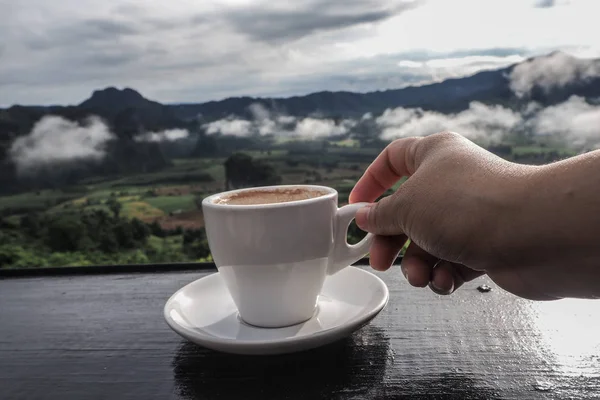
517	234
551	214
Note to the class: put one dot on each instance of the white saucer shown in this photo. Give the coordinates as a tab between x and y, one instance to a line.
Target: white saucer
204	313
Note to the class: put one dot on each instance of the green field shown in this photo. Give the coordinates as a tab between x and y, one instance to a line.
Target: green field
155	217
172	203
39	200
166	202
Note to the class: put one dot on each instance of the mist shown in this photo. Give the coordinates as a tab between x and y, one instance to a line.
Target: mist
574	122
55	139
553	71
264	122
478	122
169	135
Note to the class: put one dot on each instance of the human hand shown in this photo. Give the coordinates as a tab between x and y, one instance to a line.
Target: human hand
461	207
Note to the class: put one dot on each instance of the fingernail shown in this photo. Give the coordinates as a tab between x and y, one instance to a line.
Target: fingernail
362	217
404	271
438	290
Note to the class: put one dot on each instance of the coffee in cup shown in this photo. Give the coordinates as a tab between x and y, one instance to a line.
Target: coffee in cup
274	246
269	196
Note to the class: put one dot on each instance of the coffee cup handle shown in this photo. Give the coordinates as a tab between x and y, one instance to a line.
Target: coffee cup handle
345	254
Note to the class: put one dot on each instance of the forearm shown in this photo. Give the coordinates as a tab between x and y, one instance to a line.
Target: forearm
556	220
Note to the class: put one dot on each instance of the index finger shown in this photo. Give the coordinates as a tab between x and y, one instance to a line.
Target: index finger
394	162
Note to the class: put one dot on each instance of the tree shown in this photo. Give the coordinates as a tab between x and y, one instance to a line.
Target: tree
115	206
124	235
30	224
107	242
241	170
157	230
140	230
195	244
65	233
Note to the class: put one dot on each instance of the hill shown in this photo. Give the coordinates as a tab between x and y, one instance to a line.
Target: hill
131	129
451	95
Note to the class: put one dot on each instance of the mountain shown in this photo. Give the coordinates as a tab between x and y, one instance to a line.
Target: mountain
113	105
451	95
131	117
129	112
111	101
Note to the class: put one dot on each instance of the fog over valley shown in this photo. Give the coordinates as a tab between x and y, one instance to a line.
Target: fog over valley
573	121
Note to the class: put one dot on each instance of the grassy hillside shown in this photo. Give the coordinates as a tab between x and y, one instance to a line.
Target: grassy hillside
155	217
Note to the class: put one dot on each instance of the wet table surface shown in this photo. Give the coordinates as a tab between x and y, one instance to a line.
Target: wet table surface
104	337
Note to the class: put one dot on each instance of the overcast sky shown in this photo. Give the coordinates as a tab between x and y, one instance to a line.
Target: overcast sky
58	52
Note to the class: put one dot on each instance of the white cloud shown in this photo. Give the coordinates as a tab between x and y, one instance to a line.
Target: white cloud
265	122
259	112
397	116
458	62
58	52
553	71
318	128
55	139
410	64
479	121
575	121
229	126
169	135
285	119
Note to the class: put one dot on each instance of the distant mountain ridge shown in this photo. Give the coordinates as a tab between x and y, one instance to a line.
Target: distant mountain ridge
126	105
451	95
130	117
113	100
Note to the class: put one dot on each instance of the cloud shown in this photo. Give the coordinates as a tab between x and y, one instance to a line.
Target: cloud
319	128
545	3
301	20
193	51
259	112
285	119
204	50
478	122
395	70
92	31
230	126
551	72
574	121
550	3
54	139
169	135
264	122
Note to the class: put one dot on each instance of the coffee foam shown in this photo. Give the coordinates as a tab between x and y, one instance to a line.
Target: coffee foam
270	196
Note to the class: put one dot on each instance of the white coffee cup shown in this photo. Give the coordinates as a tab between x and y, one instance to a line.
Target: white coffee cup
275	257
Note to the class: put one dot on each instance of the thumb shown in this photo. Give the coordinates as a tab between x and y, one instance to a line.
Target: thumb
381	218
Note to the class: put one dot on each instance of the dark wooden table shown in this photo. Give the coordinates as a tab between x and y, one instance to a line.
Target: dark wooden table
104	337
